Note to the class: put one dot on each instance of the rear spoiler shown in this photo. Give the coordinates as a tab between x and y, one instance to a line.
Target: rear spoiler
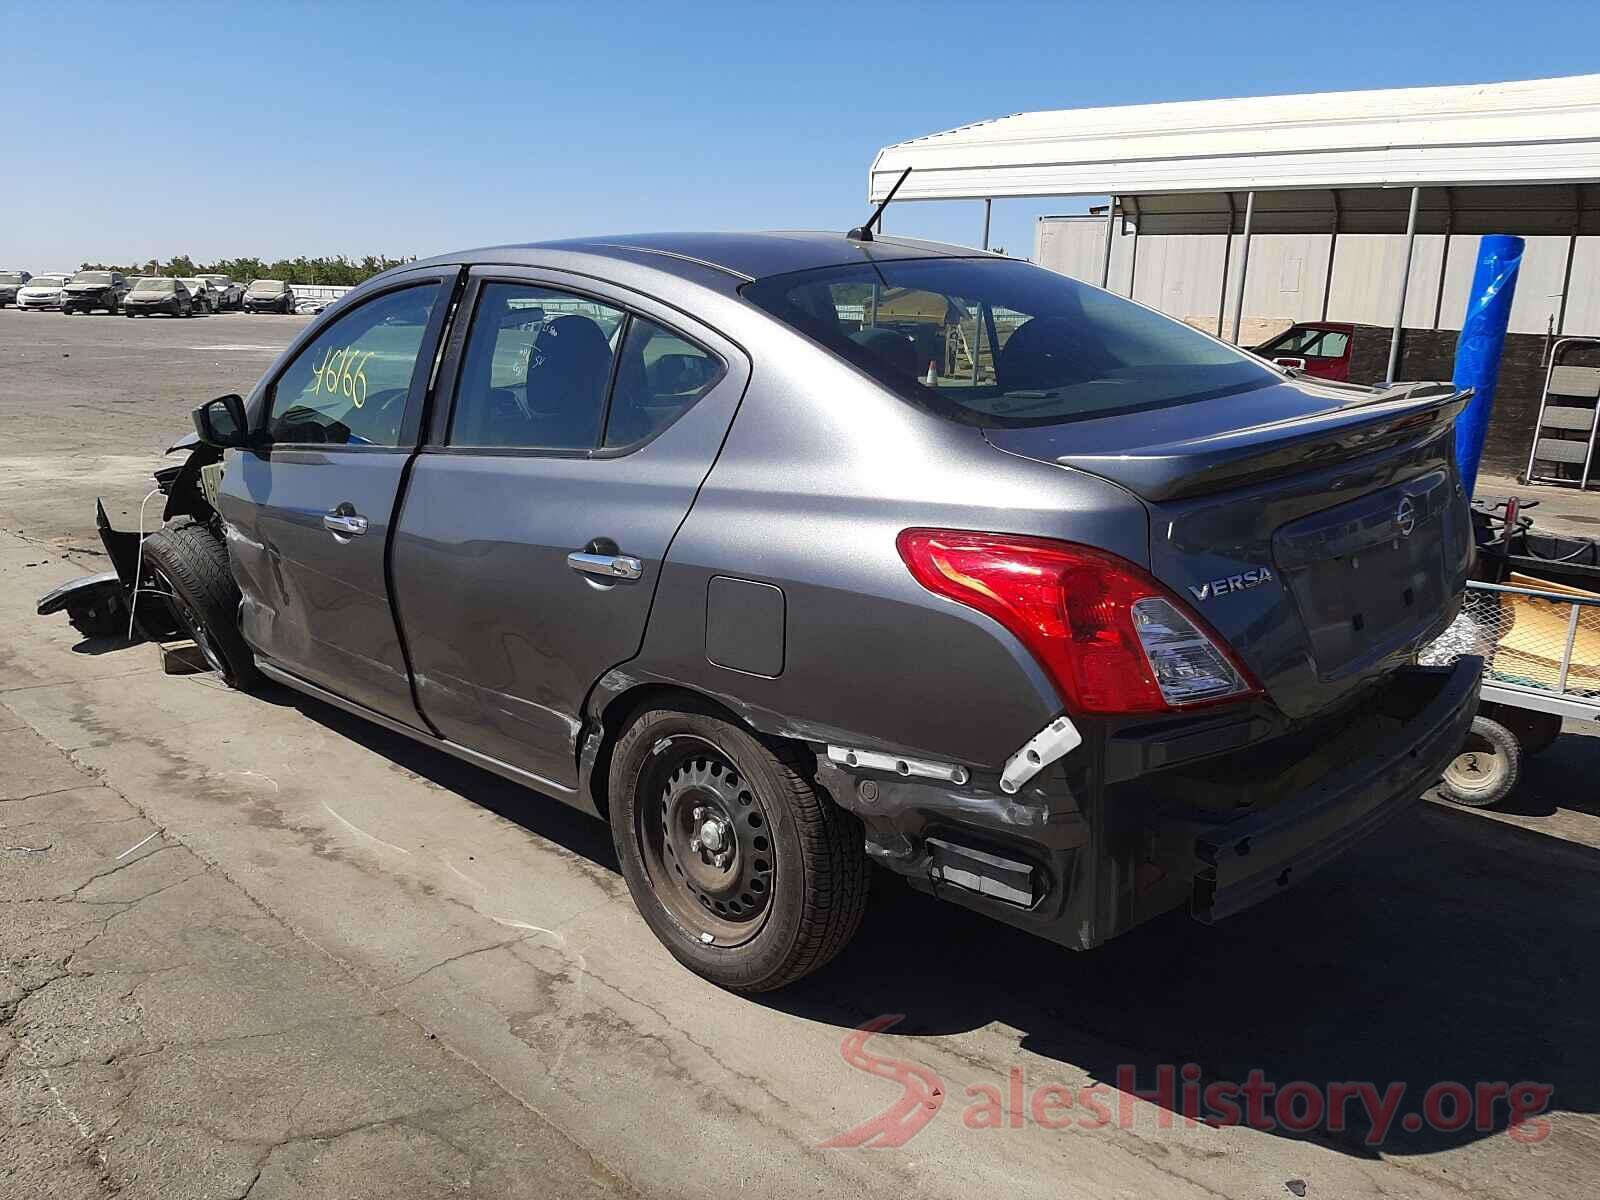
1192	467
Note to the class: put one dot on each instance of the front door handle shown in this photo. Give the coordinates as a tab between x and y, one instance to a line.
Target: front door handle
607	566
344	524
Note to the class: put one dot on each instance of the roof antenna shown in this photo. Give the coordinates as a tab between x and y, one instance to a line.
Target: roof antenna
863	233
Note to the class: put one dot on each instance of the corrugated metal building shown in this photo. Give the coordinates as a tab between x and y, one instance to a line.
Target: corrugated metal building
1289	278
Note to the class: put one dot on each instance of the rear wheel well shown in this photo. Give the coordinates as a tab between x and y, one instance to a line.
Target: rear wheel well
620	710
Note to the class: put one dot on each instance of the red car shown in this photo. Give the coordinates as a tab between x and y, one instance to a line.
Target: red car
1320	348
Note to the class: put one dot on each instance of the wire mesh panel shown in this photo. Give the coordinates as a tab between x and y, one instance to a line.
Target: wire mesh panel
1531	639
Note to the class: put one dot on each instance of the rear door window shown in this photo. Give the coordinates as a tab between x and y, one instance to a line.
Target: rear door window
350	386
537	369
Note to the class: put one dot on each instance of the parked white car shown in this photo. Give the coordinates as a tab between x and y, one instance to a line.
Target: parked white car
42	291
229	293
206	298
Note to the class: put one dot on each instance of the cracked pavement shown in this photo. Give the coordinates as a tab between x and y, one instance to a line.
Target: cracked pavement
349	966
163	1036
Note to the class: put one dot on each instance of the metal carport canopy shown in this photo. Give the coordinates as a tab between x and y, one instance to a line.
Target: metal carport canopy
1542	131
1515	157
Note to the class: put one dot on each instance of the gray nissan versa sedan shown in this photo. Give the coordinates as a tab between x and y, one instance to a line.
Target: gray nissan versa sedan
788	553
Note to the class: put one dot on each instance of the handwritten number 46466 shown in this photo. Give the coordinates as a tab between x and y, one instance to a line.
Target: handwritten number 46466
343	371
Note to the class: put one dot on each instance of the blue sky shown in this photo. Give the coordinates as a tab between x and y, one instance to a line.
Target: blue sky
133	130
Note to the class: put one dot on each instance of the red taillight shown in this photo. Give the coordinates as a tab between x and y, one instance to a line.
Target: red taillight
1111	637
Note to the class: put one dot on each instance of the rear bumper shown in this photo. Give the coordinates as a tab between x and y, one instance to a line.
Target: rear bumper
1245	860
1079	861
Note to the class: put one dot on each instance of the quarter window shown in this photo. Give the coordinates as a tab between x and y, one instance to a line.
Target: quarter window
660	374
1334	344
351	385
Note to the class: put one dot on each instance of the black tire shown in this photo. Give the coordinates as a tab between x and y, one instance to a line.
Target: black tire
789	890
1487	769
190	563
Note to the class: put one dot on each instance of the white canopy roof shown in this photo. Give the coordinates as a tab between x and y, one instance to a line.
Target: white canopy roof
1540	131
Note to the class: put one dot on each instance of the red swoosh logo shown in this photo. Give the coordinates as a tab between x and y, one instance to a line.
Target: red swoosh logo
922	1093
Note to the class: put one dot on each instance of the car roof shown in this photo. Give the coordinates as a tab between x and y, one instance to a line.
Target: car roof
740	257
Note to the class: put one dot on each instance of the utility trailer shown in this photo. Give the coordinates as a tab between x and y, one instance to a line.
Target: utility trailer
1540	643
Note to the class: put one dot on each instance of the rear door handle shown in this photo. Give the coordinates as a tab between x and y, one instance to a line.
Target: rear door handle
344	524
607	566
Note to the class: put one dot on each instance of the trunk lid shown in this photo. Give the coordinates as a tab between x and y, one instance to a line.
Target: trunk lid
1319	528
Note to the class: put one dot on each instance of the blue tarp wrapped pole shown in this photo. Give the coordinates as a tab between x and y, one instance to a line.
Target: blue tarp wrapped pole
1483	337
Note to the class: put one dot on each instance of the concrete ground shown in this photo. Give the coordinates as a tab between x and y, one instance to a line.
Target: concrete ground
1564	510
346	965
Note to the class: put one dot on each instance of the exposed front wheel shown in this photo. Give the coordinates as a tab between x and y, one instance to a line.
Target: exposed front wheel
747	871
1488	767
189	564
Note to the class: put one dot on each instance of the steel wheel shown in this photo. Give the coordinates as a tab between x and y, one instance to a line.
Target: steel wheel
746	870
705	843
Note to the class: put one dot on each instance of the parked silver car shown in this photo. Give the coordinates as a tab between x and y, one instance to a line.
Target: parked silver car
206	298
156	294
230	295
790	553
269	295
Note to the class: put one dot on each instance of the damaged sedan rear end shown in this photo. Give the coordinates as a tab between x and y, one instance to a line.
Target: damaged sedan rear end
789	553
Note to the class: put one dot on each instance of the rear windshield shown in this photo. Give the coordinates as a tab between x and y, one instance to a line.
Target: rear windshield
266	287
157	286
997	342
101	277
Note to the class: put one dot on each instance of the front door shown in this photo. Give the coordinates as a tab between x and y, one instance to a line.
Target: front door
536	519
310	505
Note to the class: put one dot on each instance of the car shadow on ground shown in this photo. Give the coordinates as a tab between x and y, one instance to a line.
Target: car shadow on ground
96	646
1561	777
544	816
1445	948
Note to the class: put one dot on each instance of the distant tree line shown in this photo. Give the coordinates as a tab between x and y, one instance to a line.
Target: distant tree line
339	270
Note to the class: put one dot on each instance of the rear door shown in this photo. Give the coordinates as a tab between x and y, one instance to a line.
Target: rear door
310	507
583	419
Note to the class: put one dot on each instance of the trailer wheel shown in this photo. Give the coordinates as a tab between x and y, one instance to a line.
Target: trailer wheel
1488	767
190	564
